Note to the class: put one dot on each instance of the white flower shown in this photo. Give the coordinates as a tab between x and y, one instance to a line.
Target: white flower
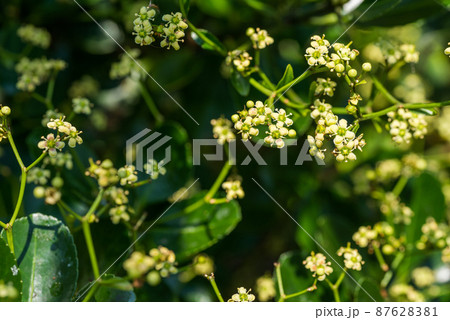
233	188
175	20
172	37
260	38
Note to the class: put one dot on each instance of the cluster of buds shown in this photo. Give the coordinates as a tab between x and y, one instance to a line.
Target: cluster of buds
265	288
405	293
242	295
259	37
104	172
171	31
41	177
381	235
423	277
257	114
329	126
126	67
318	265
339	61
5	111
404	53
35	36
392	207
33	73
325	87
65	132
62	159
233	188
240	59
201	265
118	198
405	125
222	130
81	106
352	258
159	263
434	235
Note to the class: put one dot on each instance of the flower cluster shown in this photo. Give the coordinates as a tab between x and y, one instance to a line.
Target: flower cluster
66	130
405	52
447	50
233	188
434	235
392	207
222	130
171	31
352	258
52	193
103	171
118	198
81	106
318	265
405	125
155	168
127	175
35	36
277	123
33	73
382	234
159	263
126	67
259	37
240	59
423	277
242	295
265	288
325	87
8	292
329	126
405	293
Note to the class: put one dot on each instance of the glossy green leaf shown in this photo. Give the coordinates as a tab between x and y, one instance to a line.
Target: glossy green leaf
288	76
241	84
9	270
396	12
115	290
47	258
190	233
212	44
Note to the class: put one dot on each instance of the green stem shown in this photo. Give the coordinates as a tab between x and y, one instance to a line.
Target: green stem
384	266
91	249
266	79
280	282
400	185
292	295
42	156
258	86
335	290
91	292
407	106
222	175
16	153
219	201
69	210
95	204
215	288
384	91
23	182
341	277
300	78
395	264
150	104
139	184
3	225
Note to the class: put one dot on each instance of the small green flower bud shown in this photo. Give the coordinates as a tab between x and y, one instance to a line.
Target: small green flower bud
39	192
250	31
447	51
340	68
367	67
250	104
235	118
292	133
351	109
6	111
388	249
57	182
153	278
352	73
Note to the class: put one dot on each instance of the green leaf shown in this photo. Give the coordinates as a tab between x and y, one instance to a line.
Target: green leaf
9	271
47	258
190	233
288	76
115	290
241	84
426	111
396	12
212	43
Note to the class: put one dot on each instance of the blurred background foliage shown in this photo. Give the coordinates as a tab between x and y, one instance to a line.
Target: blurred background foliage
324	200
